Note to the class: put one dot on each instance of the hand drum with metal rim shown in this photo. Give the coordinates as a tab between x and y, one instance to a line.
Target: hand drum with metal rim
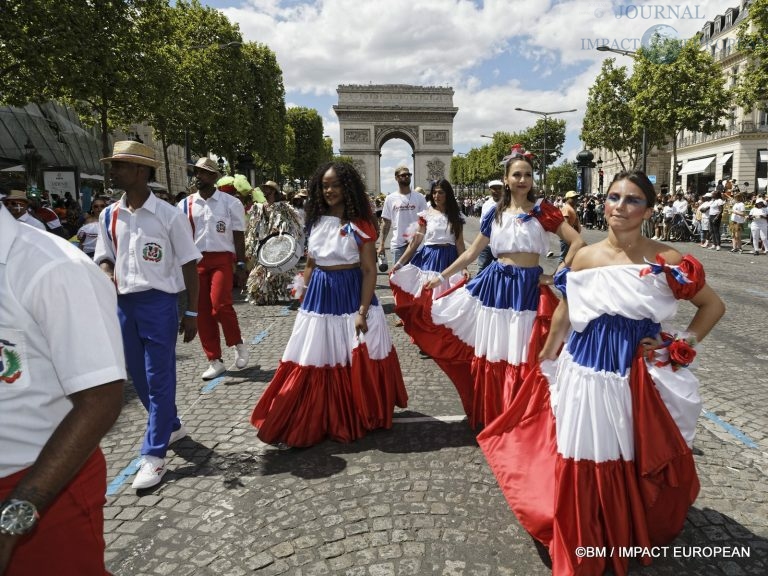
279	253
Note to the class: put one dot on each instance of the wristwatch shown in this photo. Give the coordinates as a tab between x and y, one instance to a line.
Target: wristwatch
17	517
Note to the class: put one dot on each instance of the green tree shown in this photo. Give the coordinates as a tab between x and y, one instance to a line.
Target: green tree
686	94
753	39
545	139
310	147
608	120
562	177
96	60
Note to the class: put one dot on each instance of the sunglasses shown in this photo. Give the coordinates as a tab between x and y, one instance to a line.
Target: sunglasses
404	175
98	206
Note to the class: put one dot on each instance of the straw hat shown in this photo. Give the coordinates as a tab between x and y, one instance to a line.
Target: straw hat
272	184
17	195
207	164
302	193
571	194
134	152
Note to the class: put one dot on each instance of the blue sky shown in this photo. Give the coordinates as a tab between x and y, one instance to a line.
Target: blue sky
496	54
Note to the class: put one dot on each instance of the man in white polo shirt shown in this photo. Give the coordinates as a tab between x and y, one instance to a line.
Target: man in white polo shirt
61	388
400	211
145	246
486	256
218	225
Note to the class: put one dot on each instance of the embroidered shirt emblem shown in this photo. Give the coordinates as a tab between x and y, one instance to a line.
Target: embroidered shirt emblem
10	363
221	226
152	252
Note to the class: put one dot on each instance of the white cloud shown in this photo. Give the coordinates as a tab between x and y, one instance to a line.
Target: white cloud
496	54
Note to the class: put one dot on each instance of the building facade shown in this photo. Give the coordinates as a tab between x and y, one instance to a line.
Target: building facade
740	151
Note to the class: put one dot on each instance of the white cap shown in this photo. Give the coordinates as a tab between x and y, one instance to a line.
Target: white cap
493	183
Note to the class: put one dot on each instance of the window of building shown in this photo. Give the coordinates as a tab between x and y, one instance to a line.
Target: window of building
717	25
728	166
729	18
763	118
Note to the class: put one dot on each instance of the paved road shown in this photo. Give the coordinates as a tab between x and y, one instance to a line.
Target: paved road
418	499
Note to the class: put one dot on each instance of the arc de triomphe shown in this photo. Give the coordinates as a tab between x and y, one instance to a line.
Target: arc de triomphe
371	115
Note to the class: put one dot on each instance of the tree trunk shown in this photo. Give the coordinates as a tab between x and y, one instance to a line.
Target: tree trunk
104	130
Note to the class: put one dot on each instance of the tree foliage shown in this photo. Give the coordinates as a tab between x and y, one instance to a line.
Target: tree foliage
310	145
608	120
183	68
686	94
482	164
753	39
562	177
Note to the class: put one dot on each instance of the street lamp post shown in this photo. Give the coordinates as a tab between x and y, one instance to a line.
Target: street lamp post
599	175
545	115
644	144
32	161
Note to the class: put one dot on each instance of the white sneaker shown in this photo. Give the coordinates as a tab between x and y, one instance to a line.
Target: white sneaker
177	435
216	368
150	472
241	356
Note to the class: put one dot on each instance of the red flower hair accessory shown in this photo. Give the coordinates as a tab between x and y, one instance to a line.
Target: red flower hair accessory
517	151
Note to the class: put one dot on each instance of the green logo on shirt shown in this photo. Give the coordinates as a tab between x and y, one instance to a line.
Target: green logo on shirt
152	252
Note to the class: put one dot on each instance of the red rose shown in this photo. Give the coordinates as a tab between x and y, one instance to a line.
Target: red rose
681	353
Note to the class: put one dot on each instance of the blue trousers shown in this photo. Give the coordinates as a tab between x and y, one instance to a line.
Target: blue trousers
149	321
484	259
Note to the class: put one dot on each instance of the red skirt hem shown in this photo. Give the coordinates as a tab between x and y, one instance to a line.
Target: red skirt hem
304	405
565	503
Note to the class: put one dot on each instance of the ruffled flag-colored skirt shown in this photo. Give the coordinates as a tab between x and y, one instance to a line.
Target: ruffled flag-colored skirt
332	383
595	451
485	335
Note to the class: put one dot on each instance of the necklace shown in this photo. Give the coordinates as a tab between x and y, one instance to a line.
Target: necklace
620	248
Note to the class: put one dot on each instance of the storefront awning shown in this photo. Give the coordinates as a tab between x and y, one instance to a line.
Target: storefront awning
725	158
696	166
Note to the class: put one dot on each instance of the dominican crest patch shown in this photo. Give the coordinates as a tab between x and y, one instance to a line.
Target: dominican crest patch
10	362
221	226
152	252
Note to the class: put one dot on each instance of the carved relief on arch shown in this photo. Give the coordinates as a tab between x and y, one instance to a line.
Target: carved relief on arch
359	165
435	169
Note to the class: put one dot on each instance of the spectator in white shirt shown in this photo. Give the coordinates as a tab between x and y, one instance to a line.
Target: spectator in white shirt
486	256
758	226
738	218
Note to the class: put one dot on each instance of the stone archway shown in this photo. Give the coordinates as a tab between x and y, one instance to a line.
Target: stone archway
422	116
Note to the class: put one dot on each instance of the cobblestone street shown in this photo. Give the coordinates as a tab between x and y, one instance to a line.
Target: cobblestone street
420	498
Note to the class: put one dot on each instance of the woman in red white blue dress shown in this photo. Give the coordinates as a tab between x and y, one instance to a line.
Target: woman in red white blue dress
440	229
487	334
339	376
599	452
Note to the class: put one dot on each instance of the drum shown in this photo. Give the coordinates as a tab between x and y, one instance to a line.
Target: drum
280	253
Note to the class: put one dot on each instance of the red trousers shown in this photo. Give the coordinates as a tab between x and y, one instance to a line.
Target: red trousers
68	540
215	304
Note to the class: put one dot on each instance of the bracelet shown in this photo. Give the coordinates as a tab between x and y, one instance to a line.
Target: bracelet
441	278
190	314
